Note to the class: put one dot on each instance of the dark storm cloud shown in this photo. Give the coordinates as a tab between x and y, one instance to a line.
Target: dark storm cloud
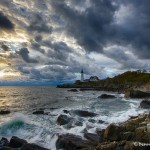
5	23
58	50
136	28
24	53
39	24
96	27
36	46
91	27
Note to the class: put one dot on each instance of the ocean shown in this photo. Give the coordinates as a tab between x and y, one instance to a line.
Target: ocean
43	130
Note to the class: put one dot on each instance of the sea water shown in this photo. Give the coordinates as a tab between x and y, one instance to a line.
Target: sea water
43	130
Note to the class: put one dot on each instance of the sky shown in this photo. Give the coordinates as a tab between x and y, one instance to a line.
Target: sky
50	41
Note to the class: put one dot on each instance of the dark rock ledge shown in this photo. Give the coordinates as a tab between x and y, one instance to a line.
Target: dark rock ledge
16	143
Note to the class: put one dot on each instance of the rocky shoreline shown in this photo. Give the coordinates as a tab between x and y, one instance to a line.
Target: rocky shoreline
130	135
133	134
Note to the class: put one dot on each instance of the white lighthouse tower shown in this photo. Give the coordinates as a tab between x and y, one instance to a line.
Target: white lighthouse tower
82	76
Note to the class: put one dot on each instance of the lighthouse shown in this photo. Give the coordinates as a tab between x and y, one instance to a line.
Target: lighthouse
82	76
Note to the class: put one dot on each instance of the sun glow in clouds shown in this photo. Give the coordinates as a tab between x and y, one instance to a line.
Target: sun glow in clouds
9	74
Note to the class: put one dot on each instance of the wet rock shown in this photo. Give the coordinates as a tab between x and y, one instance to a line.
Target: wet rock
73	142
137	94
101	121
4	142
73	90
84	113
66	111
73	123
92	137
32	147
38	112
112	132
78	123
92	120
106	96
63	119
16	142
145	104
4	112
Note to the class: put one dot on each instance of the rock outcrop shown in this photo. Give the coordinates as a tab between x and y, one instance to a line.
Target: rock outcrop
106	96
145	104
137	94
128	135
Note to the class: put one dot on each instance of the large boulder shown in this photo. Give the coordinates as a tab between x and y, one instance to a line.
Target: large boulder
29	146
106	96
16	142
63	119
73	142
113	132
137	94
145	104
84	113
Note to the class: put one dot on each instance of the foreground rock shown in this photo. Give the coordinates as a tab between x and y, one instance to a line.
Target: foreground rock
106	96
18	144
84	113
137	94
73	142
145	104
32	147
124	136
